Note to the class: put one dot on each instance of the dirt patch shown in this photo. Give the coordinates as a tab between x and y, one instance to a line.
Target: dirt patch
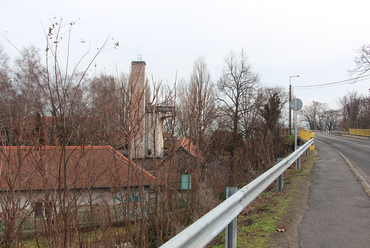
260	210
247	222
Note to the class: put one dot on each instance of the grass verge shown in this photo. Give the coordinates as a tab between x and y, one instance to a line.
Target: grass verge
258	223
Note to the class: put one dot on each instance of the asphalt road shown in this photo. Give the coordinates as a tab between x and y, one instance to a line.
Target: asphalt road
357	151
339	208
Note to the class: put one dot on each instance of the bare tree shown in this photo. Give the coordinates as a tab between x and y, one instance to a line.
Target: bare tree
263	141
333	118
355	110
196	107
60	92
7	93
68	107
237	104
183	110
362	61
108	95
30	100
350	105
314	115
236	91
4	66
202	95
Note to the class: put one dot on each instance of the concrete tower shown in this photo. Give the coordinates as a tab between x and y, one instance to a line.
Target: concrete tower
146	121
137	109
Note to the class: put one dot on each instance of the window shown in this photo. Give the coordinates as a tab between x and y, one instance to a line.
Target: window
185	181
134	199
38	209
41	210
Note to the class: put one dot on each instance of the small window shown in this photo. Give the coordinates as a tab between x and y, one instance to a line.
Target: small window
38	209
185	181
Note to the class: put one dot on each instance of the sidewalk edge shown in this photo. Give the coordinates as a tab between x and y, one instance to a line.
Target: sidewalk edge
354	170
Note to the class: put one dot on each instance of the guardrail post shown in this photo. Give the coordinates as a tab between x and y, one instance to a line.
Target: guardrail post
306	153
230	232
298	161
279	181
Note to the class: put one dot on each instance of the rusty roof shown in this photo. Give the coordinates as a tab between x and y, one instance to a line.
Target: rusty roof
190	147
52	167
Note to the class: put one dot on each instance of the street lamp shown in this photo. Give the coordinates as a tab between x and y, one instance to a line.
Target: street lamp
290	99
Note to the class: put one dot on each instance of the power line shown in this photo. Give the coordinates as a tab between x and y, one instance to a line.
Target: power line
332	84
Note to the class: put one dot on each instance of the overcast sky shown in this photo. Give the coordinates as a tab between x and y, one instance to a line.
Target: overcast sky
315	39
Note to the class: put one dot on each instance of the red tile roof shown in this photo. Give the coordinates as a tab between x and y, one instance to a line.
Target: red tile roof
190	147
26	168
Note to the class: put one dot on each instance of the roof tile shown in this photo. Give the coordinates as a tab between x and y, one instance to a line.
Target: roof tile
25	168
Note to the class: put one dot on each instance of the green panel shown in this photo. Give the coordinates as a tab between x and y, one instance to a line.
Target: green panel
186	181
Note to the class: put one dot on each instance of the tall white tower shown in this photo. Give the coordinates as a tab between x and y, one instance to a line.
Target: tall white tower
137	109
146	121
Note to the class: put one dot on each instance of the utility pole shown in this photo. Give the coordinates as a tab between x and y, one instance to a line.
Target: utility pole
290	111
290	99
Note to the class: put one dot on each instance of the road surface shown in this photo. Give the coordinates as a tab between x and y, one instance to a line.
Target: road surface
339	208
357	151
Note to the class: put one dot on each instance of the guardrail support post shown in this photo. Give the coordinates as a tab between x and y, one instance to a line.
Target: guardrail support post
279	181
230	232
306	153
298	161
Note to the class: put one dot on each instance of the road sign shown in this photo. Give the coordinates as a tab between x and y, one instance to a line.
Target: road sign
299	104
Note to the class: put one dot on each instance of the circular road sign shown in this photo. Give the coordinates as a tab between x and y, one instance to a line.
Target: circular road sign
299	104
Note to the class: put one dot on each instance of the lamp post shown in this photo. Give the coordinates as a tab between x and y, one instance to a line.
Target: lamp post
290	99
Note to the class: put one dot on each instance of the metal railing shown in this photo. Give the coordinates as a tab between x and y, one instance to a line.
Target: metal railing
204	230
360	132
307	135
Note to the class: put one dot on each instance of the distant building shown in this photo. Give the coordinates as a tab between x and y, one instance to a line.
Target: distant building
89	175
184	160
146	121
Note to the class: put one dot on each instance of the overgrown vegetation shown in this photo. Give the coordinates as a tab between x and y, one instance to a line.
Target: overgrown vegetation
259	220
54	119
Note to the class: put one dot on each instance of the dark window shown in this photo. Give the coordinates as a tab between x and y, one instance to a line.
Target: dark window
41	209
38	209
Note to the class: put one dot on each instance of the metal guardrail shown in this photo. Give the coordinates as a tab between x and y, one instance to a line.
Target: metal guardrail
204	230
360	132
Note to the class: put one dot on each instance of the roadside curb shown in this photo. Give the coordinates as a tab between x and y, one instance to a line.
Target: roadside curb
355	137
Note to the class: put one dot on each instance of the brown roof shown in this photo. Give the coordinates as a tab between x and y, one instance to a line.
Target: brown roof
27	167
190	147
